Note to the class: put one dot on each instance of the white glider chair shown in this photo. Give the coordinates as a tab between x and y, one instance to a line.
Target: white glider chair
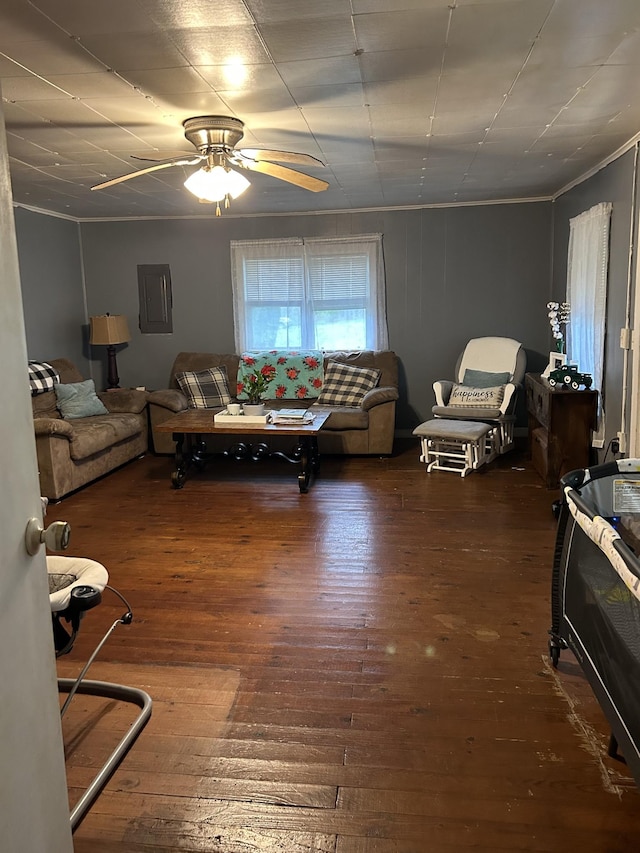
488	376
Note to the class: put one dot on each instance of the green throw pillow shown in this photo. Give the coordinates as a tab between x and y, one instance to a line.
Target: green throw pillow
79	400
484	379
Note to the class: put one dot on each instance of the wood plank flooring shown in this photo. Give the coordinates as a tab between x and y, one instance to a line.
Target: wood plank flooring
361	669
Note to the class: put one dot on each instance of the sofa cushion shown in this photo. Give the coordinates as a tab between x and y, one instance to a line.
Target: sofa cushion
42	377
346	385
205	389
79	400
485	398
96	434
44	405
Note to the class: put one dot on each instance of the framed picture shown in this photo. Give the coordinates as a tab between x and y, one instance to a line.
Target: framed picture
556	359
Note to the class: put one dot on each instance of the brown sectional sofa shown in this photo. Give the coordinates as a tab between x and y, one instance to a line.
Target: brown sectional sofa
72	453
367	429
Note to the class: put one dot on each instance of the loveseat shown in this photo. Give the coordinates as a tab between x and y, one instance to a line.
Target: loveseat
74	452
367	428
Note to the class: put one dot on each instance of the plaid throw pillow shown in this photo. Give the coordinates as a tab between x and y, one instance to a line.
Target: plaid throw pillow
345	385
42	377
205	389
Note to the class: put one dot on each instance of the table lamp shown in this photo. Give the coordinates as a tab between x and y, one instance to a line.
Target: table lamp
109	330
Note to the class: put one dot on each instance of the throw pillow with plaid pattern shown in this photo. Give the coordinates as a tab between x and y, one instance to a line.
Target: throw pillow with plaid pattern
345	385
205	389
42	377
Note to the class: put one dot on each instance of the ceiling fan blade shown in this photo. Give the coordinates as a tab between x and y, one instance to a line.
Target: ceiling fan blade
155	168
307	182
259	154
180	160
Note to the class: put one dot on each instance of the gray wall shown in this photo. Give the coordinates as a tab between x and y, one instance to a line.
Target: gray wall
614	184
50	260
452	274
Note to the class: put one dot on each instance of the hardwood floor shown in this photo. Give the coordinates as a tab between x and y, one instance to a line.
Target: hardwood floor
361	669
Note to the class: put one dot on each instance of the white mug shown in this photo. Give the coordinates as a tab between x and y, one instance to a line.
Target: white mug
234	408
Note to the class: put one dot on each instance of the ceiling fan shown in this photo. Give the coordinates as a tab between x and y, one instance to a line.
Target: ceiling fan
215	138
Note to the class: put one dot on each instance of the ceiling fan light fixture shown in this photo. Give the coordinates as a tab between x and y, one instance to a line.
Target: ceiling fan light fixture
214	184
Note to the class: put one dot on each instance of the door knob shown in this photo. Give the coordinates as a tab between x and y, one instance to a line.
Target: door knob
56	536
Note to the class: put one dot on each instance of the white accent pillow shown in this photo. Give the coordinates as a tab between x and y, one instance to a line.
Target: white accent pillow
464	396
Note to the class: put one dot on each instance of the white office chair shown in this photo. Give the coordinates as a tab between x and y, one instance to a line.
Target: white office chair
488	377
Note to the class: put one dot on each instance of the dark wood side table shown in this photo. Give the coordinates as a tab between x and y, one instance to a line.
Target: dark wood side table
560	425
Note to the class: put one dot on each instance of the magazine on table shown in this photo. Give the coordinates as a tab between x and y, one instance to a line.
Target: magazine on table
291	416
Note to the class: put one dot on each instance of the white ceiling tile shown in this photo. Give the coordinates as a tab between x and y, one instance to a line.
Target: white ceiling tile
349	122
422	29
135	51
364	6
245	102
22	22
95	17
332	71
398	65
317	39
627	51
505	27
327	97
558	52
101	84
31	89
240	77
196	14
406	148
57	55
219	45
592	18
419	92
272	11
461	122
168	81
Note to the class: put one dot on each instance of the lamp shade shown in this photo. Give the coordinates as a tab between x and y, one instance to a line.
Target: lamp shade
213	184
109	329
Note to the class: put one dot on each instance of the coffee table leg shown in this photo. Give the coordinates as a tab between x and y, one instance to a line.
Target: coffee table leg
182	462
309	462
195	454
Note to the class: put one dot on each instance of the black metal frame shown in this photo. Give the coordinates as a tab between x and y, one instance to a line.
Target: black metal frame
305	454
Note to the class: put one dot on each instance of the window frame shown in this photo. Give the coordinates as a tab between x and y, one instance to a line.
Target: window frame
304	250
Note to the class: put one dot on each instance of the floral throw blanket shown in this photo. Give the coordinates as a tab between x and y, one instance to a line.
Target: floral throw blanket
297	374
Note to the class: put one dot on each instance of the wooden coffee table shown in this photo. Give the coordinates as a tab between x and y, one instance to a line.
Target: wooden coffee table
189	428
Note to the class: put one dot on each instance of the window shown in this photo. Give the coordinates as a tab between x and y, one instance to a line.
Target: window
587	267
311	294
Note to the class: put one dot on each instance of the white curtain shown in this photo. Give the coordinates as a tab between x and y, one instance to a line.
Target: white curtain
362	256
268	269
587	268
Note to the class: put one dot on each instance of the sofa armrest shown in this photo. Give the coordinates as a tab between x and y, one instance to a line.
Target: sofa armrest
53	426
442	389
169	398
122	400
379	395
